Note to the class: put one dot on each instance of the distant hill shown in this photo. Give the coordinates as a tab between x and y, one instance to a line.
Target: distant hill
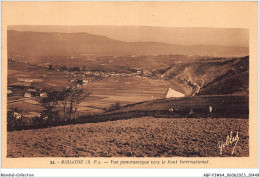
37	44
186	36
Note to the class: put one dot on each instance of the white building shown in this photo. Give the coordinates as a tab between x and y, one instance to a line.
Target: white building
173	93
32	89
27	95
28	80
85	82
43	95
17	115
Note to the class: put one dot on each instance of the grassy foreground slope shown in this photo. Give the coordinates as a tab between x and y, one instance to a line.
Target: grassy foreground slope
140	137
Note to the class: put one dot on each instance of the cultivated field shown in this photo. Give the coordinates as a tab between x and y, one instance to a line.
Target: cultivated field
139	137
124	90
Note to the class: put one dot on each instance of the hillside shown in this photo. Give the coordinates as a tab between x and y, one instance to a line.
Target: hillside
212	77
224	106
64	44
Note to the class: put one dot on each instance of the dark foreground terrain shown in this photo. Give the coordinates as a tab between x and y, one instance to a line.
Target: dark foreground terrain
139	137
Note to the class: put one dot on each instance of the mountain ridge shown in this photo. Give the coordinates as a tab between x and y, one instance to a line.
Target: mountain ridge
29	43
186	36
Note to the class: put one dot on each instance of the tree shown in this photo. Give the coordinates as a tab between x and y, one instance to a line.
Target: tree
75	69
62	106
64	102
78	96
13	119
37	121
50	103
115	106
80	82
71	97
64	68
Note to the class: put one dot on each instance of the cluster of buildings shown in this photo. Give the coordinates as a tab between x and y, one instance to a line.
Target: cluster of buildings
26	92
35	94
108	74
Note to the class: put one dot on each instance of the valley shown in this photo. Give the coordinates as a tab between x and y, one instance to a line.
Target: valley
73	94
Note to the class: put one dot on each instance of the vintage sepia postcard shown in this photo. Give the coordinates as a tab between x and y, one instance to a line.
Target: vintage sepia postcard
129	85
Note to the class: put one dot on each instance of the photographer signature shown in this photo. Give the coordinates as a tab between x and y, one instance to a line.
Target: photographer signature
229	141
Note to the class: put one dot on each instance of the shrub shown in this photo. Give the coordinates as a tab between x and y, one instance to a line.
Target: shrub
115	106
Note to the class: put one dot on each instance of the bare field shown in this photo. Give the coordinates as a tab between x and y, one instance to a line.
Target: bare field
123	90
139	137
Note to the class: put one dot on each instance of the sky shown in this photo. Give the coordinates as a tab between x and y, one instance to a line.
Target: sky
220	23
